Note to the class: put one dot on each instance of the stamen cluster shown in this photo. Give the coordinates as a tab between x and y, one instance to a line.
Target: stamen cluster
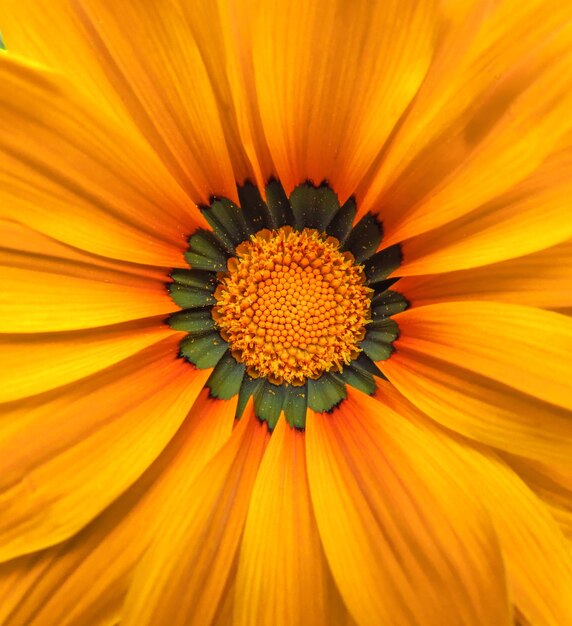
292	305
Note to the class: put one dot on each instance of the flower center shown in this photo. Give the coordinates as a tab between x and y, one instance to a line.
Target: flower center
287	300
292	305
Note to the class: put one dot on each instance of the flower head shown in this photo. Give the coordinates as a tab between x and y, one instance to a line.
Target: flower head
285	313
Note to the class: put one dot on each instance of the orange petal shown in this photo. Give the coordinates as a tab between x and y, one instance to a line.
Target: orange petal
167	95
168	92
552	483
232	69
36	363
328	120
283	577
481	408
522	347
533	216
50	287
69	453
506	124
71	53
548	477
72	172
21	238
459	23
181	579
85	579
537	556
541	279
406	540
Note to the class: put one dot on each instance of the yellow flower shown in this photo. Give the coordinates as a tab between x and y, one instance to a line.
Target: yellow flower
361	211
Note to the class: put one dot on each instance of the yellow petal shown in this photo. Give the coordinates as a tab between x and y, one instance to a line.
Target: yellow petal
70	53
283	577
522	347
72	172
533	216
537	557
85	579
183	576
210	21
21	238
36	363
546	475
505	125
50	287
166	93
68	454
326	119
541	279
405	538
481	408
551	482
459	23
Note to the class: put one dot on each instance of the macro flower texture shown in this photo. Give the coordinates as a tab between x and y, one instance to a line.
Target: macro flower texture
285	313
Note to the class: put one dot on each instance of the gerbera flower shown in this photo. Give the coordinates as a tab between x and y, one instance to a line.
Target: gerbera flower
284	313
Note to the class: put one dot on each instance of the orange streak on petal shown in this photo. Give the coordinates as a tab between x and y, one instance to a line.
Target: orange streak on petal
48	286
74	450
72	172
183	576
530	217
325	120
537	557
399	533
481	408
541	279
87	577
283	577
36	363
476	133
522	347
168	93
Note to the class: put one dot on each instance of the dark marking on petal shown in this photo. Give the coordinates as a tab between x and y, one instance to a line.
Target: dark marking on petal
268	403
248	388
364	238
313	207
280	211
204	351
379	338
358	378
255	209
379	266
341	225
190	297
195	278
195	322
296	405
206	252
325	392
227	221
387	303
363	362
226	378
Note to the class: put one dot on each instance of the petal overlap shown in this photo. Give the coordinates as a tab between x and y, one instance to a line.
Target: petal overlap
85	579
391	518
71	171
200	532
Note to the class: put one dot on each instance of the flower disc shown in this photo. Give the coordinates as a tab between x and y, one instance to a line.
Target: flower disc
292	305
